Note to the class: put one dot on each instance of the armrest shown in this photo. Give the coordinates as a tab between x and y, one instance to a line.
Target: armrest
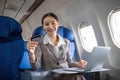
36	75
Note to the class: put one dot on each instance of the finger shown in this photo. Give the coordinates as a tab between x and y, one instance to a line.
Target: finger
81	65
33	48
83	61
29	39
32	44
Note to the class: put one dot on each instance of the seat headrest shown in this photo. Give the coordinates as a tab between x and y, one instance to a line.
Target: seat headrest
64	32
38	31
9	27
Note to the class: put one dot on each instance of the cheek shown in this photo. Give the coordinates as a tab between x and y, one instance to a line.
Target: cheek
45	28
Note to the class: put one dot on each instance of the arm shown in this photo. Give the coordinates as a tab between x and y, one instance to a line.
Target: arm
35	54
81	63
37	58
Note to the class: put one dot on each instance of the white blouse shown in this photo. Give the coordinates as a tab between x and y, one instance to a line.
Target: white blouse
61	41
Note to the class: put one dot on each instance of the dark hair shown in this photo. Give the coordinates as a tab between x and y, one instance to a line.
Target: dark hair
51	15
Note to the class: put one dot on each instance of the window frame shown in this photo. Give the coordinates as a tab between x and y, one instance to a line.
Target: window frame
83	25
110	27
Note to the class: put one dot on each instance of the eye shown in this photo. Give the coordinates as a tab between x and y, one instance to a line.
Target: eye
53	23
46	24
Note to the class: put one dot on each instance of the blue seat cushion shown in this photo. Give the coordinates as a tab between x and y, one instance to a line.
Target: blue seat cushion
10	59
25	63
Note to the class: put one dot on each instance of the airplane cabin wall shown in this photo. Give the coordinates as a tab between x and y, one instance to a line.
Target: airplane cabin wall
103	8
102	13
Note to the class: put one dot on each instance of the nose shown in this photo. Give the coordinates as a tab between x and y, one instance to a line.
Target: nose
50	25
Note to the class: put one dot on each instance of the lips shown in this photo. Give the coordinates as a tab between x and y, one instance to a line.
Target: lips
51	30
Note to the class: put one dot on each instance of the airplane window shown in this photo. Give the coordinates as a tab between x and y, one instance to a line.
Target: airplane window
87	36
114	26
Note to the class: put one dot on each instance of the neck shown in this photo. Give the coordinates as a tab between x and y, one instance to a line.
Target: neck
54	39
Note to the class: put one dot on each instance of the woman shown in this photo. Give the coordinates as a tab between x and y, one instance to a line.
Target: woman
52	52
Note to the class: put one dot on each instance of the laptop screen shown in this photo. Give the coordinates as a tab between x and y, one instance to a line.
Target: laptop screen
97	58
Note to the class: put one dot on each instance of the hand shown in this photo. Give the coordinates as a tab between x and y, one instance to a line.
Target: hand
82	64
31	45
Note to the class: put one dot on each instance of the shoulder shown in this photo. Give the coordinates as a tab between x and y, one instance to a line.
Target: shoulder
66	40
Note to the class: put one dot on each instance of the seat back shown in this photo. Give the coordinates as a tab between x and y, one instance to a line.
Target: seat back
11	48
65	33
25	63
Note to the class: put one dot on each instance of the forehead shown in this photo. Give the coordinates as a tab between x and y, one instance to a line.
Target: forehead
50	19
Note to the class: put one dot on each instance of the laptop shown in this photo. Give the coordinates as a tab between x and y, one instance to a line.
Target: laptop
95	62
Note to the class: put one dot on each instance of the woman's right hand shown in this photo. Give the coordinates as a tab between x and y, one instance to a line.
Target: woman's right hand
31	45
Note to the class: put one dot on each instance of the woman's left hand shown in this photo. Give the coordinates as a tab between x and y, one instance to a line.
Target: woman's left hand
82	64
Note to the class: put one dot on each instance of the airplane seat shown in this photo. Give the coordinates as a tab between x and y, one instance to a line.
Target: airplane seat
11	48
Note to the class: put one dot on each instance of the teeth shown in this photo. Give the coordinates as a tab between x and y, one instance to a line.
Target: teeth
50	30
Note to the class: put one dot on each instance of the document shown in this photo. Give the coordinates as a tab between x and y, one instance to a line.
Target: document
74	70
68	70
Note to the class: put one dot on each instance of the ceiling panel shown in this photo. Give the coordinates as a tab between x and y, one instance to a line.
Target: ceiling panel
12	7
24	9
18	8
2	2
